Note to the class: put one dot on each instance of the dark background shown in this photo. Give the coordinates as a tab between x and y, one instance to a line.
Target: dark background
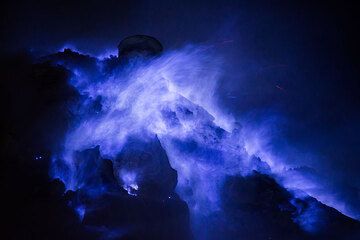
293	61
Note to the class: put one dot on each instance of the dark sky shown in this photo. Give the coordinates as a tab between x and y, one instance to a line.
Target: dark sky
297	60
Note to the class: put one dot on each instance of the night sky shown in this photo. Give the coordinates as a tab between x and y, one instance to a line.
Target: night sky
291	68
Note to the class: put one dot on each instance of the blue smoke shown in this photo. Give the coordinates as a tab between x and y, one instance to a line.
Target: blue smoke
173	98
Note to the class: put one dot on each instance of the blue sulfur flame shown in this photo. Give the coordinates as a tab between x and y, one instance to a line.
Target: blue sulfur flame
172	97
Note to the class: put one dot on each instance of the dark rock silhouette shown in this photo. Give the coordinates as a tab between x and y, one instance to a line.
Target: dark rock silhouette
139	44
149	162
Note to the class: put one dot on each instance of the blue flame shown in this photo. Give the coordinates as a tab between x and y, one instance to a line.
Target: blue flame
172	97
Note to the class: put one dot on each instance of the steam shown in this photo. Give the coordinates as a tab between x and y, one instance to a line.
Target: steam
174	98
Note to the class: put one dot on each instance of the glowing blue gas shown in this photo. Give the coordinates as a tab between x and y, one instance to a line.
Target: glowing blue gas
172	97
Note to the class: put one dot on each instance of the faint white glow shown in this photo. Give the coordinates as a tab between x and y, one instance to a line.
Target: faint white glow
129	182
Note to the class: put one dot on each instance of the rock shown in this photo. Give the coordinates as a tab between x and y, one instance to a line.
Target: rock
144	166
